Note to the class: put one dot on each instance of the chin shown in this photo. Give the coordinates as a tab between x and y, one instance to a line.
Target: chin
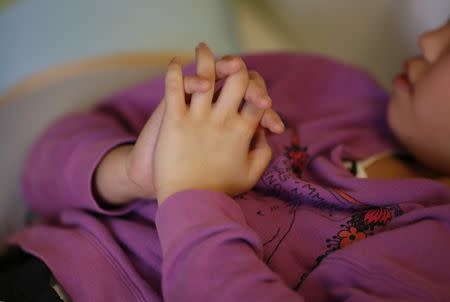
431	152
410	137
394	120
436	162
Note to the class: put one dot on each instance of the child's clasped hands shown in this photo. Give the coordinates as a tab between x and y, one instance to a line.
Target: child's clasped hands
198	140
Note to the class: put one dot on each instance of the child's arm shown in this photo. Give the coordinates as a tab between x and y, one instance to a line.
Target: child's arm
134	162
59	171
203	152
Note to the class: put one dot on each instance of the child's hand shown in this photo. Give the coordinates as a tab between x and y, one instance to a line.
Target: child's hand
126	171
206	145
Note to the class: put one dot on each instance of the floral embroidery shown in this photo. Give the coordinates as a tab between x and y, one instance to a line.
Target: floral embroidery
349	236
379	216
298	157
361	225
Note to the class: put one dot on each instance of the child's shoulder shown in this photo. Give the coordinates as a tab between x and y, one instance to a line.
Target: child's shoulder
308	68
292	60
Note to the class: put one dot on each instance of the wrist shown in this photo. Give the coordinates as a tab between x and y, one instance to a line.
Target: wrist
164	193
168	191
111	182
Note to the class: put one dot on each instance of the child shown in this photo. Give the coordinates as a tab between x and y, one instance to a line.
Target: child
24	277
309	230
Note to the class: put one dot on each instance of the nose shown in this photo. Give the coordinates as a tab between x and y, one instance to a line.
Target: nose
432	43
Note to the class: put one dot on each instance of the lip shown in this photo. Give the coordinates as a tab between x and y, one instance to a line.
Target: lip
402	82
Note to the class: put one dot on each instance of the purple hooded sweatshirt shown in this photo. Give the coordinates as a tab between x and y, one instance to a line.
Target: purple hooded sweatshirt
308	231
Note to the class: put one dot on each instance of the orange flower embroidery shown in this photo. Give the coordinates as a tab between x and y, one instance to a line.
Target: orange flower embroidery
349	236
298	157
379	216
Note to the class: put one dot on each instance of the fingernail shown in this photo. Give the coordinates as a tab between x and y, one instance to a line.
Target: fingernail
279	128
199	45
227	58
175	60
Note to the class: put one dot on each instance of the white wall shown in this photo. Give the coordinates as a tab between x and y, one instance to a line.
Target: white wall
35	34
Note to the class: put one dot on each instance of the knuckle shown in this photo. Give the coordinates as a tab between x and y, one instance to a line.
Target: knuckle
245	128
172	73
171	86
257	78
210	81
218	121
241	80
245	77
177	125
240	61
256	93
190	80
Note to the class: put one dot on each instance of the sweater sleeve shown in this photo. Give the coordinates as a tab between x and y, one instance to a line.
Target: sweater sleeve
58	171
210	254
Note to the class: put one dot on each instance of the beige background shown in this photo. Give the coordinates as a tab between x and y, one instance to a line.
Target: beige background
377	35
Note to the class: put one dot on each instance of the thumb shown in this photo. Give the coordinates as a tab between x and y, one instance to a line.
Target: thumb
259	156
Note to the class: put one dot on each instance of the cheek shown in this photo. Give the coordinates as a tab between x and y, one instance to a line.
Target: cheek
431	103
399	116
421	120
404	124
432	94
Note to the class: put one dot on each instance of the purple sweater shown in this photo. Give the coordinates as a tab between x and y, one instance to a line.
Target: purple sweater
309	231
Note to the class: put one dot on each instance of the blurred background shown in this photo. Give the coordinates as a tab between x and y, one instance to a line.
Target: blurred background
38	34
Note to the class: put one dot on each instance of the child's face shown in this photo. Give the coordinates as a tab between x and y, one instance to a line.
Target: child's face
419	109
